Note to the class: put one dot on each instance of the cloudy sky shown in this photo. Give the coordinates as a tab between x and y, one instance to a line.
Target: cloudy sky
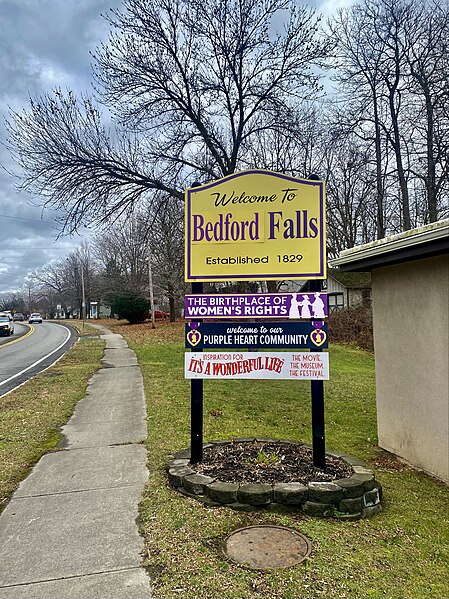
45	44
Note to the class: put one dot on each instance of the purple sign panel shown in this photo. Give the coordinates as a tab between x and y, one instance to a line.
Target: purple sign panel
286	334
260	305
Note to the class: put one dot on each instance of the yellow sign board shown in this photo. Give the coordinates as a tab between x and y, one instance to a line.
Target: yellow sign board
255	225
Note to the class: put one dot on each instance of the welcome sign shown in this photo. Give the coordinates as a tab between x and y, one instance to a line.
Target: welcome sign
255	225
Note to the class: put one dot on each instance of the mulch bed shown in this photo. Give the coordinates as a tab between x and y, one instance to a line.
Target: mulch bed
391	463
267	462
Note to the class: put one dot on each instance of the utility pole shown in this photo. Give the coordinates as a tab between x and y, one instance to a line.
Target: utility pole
150	283
83	305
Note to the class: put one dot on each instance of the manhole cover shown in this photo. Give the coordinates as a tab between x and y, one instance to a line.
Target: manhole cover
264	547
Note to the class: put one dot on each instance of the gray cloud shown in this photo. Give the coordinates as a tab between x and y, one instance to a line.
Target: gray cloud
44	44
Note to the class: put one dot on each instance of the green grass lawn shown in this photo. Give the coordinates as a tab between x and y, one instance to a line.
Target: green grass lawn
402	552
32	415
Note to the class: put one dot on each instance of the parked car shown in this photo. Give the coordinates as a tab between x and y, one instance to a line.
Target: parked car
18	317
160	314
35	317
6	324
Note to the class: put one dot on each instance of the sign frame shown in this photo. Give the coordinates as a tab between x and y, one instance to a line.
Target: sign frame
245	274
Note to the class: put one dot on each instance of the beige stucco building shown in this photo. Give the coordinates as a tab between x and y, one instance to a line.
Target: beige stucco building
410	299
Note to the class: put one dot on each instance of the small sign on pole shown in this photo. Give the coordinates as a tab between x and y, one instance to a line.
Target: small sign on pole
257	305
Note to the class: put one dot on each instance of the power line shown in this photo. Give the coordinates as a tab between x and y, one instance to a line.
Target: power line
36	220
67	247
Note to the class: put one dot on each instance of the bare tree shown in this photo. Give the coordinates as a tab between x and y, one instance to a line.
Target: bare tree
12	300
389	19
428	63
358	69
296	151
351	190
74	164
191	84
166	252
393	69
61	282
52	283
121	252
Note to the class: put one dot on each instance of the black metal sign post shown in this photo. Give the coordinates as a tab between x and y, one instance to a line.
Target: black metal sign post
196	407
317	387
196	399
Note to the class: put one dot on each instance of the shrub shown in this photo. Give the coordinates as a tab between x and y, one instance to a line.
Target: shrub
352	325
131	306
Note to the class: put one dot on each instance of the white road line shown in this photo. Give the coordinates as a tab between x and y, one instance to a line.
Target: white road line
14	376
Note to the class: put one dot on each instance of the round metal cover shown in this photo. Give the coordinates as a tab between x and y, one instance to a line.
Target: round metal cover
266	546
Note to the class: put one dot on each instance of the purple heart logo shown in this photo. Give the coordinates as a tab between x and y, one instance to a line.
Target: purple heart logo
193	337
318	337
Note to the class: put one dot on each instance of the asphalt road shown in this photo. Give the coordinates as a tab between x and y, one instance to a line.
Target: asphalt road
30	350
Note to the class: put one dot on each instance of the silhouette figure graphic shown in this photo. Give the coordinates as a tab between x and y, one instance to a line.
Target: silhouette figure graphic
294	306
318	306
305	307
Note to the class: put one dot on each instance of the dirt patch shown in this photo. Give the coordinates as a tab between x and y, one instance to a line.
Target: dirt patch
267	462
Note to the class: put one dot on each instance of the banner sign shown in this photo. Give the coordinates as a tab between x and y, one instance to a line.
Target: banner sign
260	305
282	335
303	366
255	225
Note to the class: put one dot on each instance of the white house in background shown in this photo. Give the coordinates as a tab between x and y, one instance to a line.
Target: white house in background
410	301
348	289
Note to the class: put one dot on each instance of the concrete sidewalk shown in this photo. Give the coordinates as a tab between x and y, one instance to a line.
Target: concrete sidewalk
70	531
